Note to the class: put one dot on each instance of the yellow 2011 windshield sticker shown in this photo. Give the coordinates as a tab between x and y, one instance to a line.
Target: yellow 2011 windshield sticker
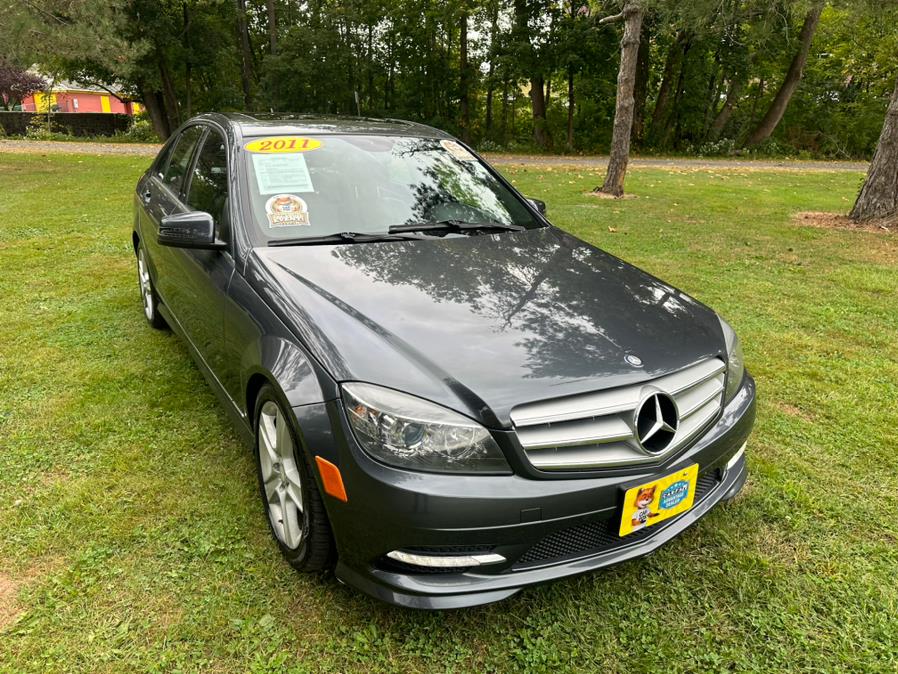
274	144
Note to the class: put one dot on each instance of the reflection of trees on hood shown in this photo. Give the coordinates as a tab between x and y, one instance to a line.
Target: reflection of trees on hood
574	307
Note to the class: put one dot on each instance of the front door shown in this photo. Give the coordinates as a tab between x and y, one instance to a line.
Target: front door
204	275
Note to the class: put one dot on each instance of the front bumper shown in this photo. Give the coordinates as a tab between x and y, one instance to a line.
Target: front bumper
544	528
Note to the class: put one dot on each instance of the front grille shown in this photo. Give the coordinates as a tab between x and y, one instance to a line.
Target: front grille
595	430
592	538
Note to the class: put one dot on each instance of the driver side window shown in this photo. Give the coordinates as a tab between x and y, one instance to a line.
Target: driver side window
180	158
209	183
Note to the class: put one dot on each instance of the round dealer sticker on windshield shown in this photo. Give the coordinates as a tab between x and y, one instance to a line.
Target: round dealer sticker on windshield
287	210
283	144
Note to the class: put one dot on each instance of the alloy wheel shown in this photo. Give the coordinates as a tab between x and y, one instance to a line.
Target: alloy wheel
280	476
146	286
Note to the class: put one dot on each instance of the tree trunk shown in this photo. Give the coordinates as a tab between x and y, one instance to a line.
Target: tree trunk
369	62
490	74
152	101
272	27
530	64
673	128
171	107
246	55
720	121
623	111
793	77
671	71
464	103
641	88
541	135
570	109
505	108
715	81
878	199
188	64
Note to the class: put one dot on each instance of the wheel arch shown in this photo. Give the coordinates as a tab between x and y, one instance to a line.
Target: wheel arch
254	385
284	365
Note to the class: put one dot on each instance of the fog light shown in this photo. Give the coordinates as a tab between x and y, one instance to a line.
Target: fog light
735	458
445	561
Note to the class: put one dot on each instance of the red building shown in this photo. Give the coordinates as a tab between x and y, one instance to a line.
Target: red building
67	96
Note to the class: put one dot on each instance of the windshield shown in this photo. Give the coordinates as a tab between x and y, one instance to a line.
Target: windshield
315	186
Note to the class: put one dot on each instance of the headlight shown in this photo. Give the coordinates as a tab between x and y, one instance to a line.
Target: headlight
735	361
408	432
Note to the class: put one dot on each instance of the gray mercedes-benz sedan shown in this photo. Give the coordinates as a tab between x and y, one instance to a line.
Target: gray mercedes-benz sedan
448	397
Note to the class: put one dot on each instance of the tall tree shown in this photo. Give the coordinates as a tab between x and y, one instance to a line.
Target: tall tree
464	77
878	199
246	55
493	10
641	87
671	75
534	64
780	102
631	15
272	26
729	105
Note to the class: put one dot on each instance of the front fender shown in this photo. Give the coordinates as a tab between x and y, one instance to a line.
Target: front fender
287	366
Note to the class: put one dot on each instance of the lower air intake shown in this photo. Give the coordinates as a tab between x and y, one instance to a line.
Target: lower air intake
592	538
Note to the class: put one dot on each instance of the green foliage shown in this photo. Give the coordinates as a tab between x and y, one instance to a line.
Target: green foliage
140	131
402	59
39	128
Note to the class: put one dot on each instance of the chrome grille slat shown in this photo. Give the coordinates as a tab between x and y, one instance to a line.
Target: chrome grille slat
595	429
613	454
573	433
579	407
698	396
692	376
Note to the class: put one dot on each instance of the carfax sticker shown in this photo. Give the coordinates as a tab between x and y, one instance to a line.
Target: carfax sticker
287	210
282	144
281	173
457	150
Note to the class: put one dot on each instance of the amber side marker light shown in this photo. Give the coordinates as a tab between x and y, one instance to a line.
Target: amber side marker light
331	479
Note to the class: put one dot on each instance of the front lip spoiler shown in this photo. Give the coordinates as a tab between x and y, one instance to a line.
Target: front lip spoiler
472	589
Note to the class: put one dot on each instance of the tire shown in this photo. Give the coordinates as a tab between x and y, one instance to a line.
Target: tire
148	292
302	533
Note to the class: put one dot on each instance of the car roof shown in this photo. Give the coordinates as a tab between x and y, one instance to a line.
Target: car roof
276	124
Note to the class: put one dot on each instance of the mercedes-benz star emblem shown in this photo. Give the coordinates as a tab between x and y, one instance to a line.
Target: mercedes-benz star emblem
657	419
635	361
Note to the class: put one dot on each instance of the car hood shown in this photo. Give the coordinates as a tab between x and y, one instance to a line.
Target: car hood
483	323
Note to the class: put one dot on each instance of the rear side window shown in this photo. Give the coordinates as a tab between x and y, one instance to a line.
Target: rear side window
209	182
180	158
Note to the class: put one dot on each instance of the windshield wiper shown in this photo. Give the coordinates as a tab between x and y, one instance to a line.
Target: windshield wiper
343	237
453	226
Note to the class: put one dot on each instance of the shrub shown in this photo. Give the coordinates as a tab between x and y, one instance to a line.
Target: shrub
489	146
724	147
38	128
141	131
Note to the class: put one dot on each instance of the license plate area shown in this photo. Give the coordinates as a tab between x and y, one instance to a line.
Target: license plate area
657	500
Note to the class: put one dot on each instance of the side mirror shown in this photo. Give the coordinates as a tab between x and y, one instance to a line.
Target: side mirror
538	204
194	229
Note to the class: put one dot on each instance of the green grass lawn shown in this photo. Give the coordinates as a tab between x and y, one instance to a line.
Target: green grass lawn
131	537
